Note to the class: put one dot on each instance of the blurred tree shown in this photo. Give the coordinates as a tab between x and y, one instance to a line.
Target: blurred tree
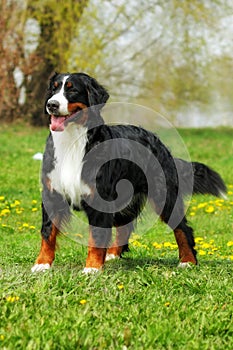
156	53
11	40
25	70
178	72
58	21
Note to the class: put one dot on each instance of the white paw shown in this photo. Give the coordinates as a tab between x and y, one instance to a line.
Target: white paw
40	267
111	257
90	270
184	265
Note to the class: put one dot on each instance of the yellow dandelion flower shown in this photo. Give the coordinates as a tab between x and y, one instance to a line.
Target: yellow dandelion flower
18	211
167	244
157	245
83	301
210	209
173	246
201	205
230	192
12	299
2	198
25	224
167	304
192	213
34	209
2	337
206	245
202	252
136	244
220	200
32	227
15	204
231	257
230	243
120	286
34	201
144	246
198	239
5	212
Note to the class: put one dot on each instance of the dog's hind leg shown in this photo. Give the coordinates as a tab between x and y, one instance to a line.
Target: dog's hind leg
100	234
120	245
173	215
183	233
185	241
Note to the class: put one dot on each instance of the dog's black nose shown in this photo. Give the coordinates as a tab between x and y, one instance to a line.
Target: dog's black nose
53	106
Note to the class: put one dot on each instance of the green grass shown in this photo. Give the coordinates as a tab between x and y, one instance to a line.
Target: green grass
139	302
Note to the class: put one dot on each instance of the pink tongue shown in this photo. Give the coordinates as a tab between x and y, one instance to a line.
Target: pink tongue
57	123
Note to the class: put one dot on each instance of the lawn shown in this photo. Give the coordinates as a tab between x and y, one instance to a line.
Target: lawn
141	301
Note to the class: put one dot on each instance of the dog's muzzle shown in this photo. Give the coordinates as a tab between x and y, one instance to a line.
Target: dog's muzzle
53	107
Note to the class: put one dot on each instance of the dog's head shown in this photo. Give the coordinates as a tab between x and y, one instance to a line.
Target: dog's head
69	94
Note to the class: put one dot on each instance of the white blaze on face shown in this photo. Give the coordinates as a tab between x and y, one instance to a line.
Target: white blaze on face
60	97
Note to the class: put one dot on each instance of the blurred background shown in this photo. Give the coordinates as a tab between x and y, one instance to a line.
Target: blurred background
173	56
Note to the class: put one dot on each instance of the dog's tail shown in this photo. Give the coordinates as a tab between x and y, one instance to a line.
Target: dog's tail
198	178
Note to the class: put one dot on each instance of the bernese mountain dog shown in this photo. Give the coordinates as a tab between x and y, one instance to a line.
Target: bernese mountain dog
109	172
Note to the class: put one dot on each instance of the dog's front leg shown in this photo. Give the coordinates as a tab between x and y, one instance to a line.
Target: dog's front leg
99	239
49	233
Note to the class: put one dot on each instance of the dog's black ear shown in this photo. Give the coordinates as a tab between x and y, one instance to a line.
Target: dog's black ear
97	94
49	90
53	76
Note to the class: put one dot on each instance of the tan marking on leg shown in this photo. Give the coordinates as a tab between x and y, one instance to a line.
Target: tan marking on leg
47	251
185	252
95	256
122	237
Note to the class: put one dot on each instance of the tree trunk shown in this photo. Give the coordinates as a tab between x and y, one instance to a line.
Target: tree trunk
36	90
57	29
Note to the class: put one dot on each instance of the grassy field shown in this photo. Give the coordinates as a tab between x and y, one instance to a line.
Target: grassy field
139	302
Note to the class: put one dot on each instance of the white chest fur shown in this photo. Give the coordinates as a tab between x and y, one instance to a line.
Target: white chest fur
69	150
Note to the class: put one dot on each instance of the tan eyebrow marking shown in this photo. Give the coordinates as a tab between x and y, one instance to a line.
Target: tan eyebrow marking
55	84
69	84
